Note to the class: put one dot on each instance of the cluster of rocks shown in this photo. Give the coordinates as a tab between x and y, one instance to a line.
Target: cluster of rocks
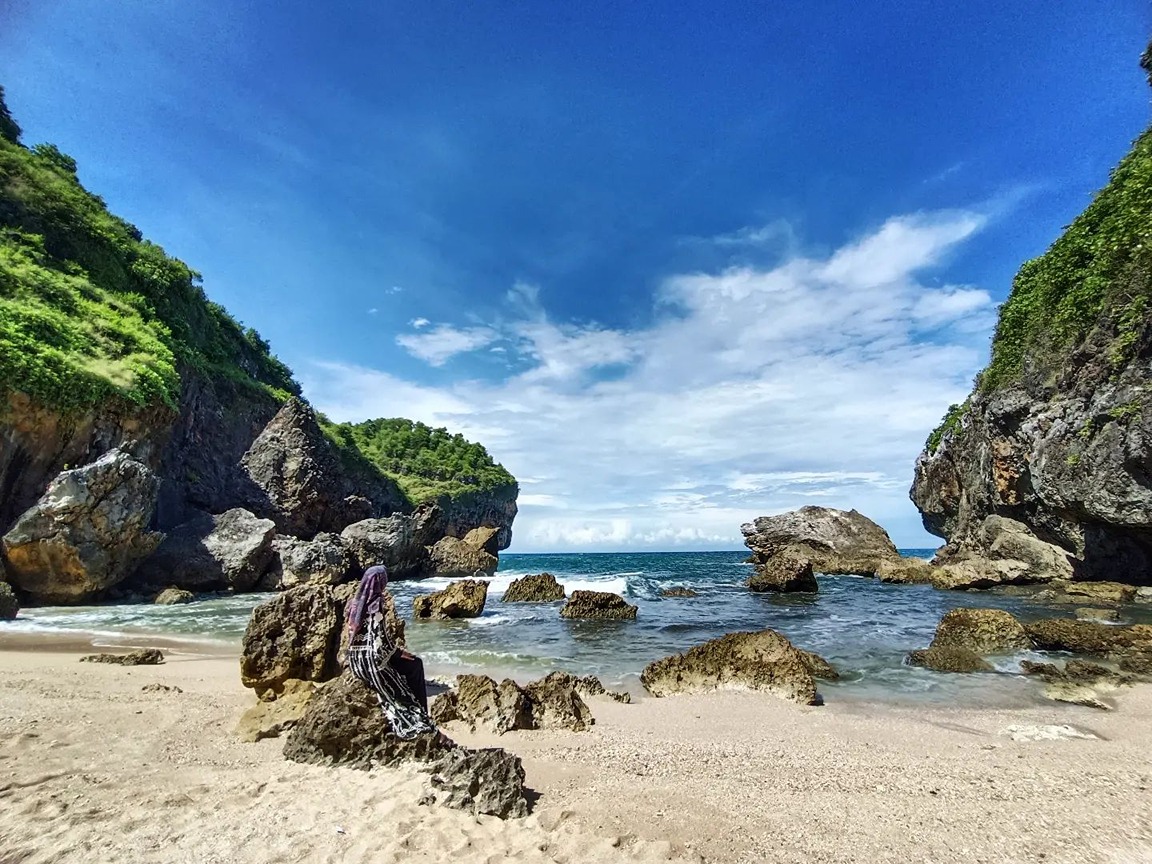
964	637
553	702
290	657
466	599
288	513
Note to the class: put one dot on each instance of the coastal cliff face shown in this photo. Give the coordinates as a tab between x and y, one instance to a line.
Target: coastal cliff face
1057	433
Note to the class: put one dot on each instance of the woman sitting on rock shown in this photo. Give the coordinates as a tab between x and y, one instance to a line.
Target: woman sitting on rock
396	676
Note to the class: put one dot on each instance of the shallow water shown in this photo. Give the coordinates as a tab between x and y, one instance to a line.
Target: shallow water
863	626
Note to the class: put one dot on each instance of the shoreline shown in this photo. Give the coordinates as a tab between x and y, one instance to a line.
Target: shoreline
95	757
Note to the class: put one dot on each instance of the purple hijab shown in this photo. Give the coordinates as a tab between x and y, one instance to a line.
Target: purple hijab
373	584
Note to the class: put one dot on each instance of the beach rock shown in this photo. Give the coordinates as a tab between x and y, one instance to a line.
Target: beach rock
344	725
323	560
157	687
763	660
601	605
552	702
834	541
174	597
9	605
485	538
479	701
272	719
982	631
1138	664
462	599
228	551
1105	592
295	477
400	541
818	666
906	571
452	558
487	781
949	659
786	571
678	591
1090	637
86	533
978	573
293	636
590	686
143	657
1092	614
1078	682
538	588
556	703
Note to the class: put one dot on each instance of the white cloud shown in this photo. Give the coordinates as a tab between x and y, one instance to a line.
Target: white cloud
373	311
440	344
754	390
417	323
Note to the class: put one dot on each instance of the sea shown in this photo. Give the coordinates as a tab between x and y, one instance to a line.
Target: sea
863	626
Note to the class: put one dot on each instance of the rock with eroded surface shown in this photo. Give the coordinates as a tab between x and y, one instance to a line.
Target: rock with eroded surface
834	541
228	551
452	558
598	605
786	571
537	588
462	599
983	631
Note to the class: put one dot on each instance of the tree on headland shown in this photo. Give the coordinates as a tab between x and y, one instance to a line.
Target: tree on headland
8	127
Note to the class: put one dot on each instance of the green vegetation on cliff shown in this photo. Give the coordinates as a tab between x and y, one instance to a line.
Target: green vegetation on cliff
1097	273
92	313
427	463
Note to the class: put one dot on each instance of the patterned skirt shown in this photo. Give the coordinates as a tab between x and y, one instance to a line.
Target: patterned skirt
368	659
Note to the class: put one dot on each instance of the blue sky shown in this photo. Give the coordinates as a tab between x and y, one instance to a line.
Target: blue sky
675	268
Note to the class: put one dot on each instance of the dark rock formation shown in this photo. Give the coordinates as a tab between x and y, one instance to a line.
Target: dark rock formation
763	660
983	631
400	542
492	509
173	597
9	605
453	558
343	725
784	571
228	551
949	659
143	657
818	666
87	531
297	479
323	560
834	541
678	591
463	599
601	605
1090	637
537	588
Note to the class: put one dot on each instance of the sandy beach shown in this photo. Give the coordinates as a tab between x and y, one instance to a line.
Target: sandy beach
104	763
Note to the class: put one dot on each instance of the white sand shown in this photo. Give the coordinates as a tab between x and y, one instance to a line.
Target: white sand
94	769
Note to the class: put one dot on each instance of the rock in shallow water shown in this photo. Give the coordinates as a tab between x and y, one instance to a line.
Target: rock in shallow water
599	605
834	541
451	557
762	660
174	597
785	571
9	605
463	599
983	631
538	588
678	591
949	659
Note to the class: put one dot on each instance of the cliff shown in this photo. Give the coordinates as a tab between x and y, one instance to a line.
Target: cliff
1057	433
108	343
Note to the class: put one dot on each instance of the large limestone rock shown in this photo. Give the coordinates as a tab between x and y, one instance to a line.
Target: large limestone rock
174	597
297	479
553	702
400	541
537	588
484	537
975	572
87	531
294	636
343	725
227	551
494	508
1106	592
762	660
463	599
906	571
453	558
834	541
271	719
598	605
786	571
983	631
323	560
949	658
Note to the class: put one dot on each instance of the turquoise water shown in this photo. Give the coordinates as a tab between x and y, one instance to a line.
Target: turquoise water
863	626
